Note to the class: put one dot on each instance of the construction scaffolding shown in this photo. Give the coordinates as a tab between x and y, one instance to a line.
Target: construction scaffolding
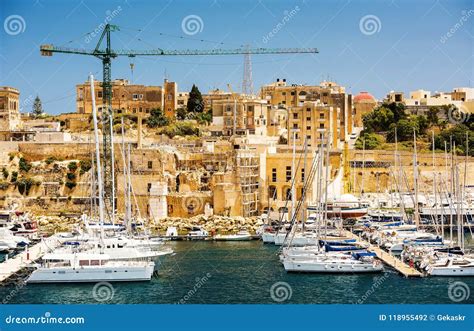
248	176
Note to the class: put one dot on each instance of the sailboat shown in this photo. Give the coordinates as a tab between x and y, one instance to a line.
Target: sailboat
86	265
340	257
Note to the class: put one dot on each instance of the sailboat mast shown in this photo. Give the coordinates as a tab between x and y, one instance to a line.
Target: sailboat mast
126	220
97	155
112	163
293	177
415	179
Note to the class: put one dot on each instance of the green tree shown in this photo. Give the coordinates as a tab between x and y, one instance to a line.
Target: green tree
37	107
372	141
181	113
157	118
379	119
405	128
432	115
195	101
457	134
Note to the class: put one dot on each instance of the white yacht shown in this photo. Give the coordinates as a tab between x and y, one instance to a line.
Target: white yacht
452	266
88	267
334	263
242	235
197	233
8	241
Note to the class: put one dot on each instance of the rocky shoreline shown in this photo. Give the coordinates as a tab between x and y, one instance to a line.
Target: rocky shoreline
212	224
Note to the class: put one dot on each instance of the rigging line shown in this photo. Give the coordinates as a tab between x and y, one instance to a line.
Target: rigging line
203	64
80	37
179	36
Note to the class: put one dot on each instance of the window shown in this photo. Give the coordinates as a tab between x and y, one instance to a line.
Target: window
99	94
321	125
308	118
288	173
135	96
272	192
283	93
150	164
308	127
292	93
308	110
302	174
274	175
149	187
295	126
288	194
170	97
295	116
308	137
321	115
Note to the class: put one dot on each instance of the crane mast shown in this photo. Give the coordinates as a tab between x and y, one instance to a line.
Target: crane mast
107	54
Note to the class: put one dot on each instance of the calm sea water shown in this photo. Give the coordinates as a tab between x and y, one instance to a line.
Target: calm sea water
244	272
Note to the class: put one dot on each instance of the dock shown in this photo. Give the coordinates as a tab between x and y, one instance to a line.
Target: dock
387	258
12	266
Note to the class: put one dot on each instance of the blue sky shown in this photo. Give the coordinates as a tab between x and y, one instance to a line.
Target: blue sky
409	48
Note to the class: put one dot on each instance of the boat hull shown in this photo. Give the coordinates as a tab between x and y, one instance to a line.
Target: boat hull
323	267
133	273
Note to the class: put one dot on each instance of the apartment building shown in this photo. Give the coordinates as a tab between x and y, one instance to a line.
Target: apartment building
9	108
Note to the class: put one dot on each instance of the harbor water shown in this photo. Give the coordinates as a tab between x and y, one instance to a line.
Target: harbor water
207	272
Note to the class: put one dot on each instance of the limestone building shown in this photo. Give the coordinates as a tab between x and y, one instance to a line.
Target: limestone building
241	116
130	98
364	103
331	94
312	122
9	109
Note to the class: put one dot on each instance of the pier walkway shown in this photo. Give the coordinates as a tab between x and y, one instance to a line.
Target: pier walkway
389	259
13	265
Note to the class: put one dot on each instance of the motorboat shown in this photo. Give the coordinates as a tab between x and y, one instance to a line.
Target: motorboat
197	233
242	235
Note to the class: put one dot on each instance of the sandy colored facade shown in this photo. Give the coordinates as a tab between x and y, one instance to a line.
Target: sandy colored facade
364	103
241	116
130	99
331	94
9	109
313	122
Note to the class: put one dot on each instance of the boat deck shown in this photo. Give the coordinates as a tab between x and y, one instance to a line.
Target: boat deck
13	265
389	259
